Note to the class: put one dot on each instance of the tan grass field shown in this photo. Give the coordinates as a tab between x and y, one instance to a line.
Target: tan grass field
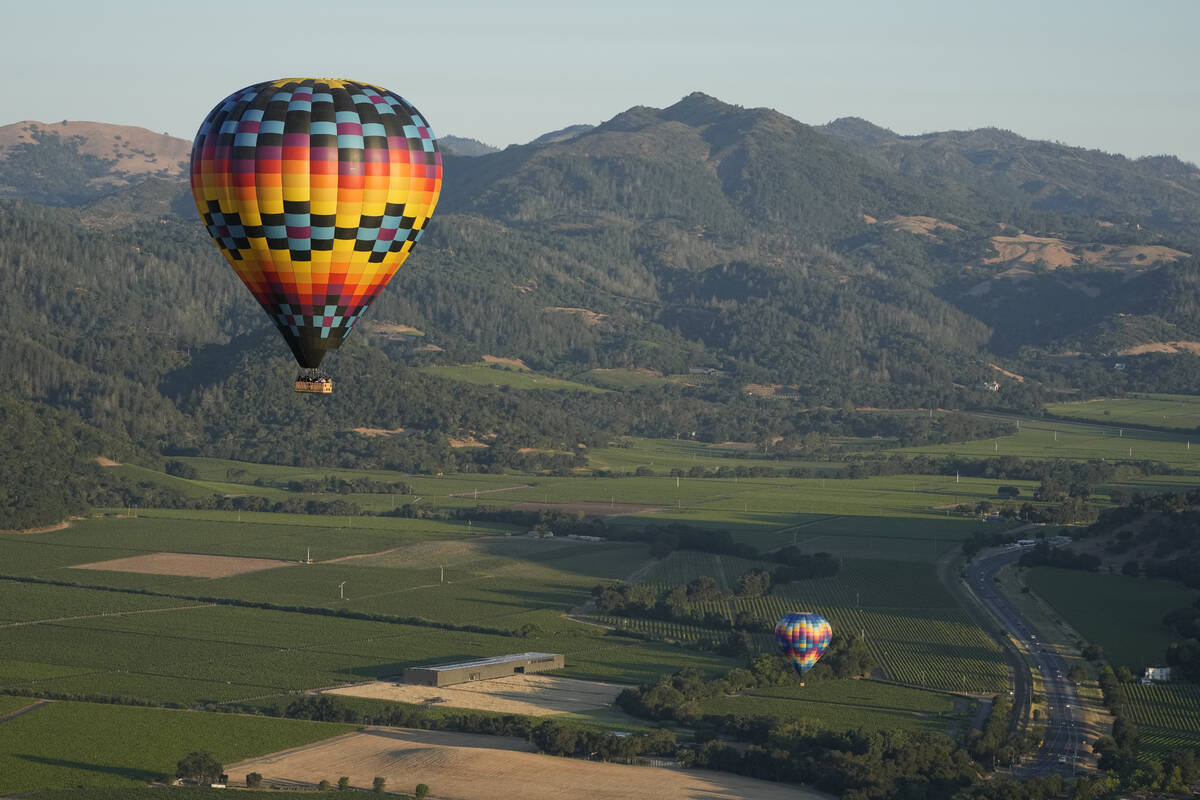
588	316
379	431
516	363
459	766
1170	348
534	695
921	226
188	565
1055	253
136	150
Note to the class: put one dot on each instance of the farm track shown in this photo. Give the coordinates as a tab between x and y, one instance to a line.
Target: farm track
489	491
58	526
805	524
104	614
31	707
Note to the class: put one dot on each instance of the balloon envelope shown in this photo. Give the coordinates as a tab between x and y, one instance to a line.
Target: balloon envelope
316	191
803	638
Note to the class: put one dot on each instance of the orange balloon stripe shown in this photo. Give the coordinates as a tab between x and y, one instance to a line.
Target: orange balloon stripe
315	190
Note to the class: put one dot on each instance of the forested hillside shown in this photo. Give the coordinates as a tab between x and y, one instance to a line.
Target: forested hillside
837	267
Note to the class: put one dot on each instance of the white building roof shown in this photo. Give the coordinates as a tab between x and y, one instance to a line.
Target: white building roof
494	660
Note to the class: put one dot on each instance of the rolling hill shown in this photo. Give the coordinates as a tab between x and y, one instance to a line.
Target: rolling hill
854	266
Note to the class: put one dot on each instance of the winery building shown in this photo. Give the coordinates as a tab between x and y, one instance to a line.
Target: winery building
484	669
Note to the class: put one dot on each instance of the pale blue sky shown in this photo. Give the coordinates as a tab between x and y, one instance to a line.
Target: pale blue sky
1120	76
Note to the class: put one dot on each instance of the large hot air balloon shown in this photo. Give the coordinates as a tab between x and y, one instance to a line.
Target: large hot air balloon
803	638
315	190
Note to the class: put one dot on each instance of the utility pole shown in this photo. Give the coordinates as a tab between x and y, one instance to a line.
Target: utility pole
442	573
341	590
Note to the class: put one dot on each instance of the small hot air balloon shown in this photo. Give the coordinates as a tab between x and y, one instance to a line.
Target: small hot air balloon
315	190
803	637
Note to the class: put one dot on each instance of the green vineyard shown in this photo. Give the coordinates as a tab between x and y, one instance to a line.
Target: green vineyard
913	626
1168	716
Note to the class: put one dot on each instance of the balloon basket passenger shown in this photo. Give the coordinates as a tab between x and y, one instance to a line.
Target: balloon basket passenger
311	381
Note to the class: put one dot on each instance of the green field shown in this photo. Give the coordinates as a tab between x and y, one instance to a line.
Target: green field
189	644
1050	439
83	744
843	705
228	654
1122	615
1178	411
497	375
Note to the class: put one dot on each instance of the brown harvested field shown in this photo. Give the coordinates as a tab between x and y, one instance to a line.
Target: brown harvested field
460	766
186	564
535	695
591	509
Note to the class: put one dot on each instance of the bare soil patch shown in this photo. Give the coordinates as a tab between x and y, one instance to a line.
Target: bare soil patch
762	389
392	329
459	766
591	509
587	315
1172	348
535	695
189	565
466	441
508	362
921	226
379	431
106	462
1003	371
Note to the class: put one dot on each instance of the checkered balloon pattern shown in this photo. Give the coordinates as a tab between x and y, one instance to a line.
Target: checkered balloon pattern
803	638
316	191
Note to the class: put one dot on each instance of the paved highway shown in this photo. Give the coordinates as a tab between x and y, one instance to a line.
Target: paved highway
1062	744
